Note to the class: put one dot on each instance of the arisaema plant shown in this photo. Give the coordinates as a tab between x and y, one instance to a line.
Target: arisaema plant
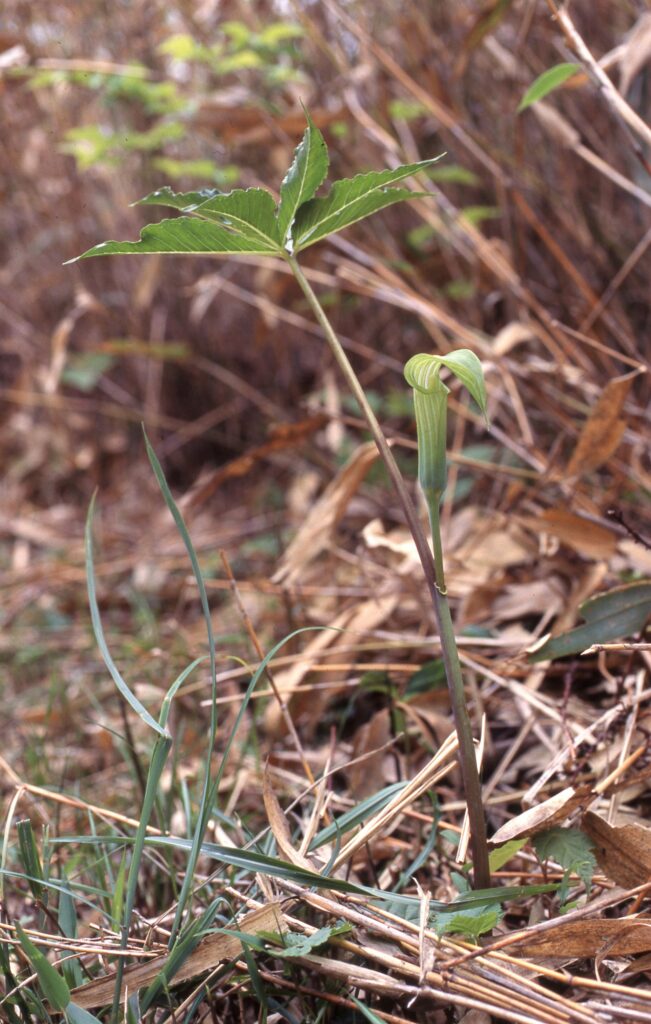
249	221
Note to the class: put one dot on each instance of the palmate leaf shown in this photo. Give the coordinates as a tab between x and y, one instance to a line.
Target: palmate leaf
307	172
350	200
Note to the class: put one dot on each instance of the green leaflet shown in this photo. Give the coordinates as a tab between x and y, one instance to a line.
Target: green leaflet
546	83
182	235
242	221
185	201
350	200
307	172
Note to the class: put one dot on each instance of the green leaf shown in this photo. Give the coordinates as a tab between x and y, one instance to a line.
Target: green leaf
429	677
54	987
350	200
546	83
618	613
187	202
572	849
77	1015
30	859
465	365
98	630
303	945
250	213
501	855
182	235
307	172
244	223
356	815
471	923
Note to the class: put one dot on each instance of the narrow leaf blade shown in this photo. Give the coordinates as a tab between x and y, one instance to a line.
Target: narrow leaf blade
546	83
98	630
308	170
618	613
54	986
350	200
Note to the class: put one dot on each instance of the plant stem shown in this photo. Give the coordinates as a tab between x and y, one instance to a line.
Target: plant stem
433	570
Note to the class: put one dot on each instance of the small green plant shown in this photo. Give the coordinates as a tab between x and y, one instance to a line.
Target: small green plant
249	221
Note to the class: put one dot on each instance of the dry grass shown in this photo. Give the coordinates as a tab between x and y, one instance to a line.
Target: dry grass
534	252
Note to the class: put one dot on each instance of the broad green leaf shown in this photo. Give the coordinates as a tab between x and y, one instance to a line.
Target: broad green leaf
501	855
471	923
546	83
302	945
350	200
430	676
54	986
465	365
307	172
250	213
572	849
618	613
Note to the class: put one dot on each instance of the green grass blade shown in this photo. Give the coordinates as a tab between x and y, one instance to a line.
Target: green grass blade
53	985
209	789
130	697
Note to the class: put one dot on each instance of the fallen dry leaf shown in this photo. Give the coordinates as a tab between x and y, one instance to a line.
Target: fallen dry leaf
623	852
589	539
620	937
212	950
603	429
316	531
279	826
545	815
359	619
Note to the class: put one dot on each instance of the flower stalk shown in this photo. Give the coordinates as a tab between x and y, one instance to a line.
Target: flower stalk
431	416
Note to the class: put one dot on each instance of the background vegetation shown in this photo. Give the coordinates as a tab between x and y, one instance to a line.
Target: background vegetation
532	250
